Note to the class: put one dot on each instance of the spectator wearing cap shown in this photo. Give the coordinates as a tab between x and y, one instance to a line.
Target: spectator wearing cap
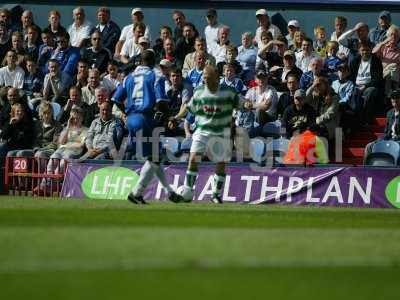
306	54
379	33
219	52
298	115
211	30
189	63
185	44
389	53
79	30
131	47
96	56
179	20
345	88
392	127
280	75
128	31
110	31
329	114
292	27
165	67
315	69
367	74
352	38
264	99
65	54
264	24
247	56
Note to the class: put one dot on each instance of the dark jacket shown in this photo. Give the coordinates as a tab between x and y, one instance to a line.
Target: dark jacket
376	71
19	135
47	137
98	60
294	119
390	120
110	35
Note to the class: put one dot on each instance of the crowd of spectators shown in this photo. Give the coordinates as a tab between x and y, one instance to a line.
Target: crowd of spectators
57	82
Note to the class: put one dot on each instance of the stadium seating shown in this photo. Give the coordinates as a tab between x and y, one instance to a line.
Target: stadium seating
257	150
277	148
384	153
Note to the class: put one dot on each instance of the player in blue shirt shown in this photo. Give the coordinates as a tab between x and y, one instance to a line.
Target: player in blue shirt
142	89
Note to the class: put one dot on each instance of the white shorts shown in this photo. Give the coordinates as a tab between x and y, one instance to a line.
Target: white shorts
217	148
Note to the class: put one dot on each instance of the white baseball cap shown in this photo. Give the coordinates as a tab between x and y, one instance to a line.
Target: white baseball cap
166	63
294	23
262	11
137	9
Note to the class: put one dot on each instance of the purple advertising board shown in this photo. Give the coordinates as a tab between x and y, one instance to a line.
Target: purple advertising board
330	186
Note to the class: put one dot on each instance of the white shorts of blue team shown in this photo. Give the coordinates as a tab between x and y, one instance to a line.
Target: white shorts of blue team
216	148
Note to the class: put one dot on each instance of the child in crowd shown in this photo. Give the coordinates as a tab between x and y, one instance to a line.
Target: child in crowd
320	41
231	55
230	79
33	82
332	61
112	79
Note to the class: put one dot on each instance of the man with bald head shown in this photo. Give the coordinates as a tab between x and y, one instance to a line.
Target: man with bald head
79	30
26	22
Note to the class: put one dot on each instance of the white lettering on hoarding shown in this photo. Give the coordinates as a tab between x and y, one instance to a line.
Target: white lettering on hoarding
364	194
333	190
276	189
94	190
108	185
125	185
249	183
398	193
227	185
207	190
294	186
310	198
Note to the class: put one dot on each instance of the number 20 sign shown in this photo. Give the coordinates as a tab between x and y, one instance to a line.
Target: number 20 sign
20	165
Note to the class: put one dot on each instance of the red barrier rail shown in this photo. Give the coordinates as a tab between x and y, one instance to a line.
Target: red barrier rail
29	176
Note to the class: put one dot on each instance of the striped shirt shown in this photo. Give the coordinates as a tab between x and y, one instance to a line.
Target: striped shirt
213	110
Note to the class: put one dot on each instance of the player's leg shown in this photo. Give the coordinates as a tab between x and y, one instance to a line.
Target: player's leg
159	172
138	132
218	182
198	147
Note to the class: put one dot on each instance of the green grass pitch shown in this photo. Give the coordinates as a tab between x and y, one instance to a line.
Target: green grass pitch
74	249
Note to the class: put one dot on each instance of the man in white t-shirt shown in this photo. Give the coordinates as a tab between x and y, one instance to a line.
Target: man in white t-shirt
265	25
304	57
219	52
264	99
12	75
127	32
131	47
211	30
79	31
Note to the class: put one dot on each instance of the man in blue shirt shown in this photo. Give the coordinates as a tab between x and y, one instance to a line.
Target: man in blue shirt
143	89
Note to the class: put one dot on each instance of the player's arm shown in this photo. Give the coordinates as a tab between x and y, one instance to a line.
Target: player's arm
119	97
